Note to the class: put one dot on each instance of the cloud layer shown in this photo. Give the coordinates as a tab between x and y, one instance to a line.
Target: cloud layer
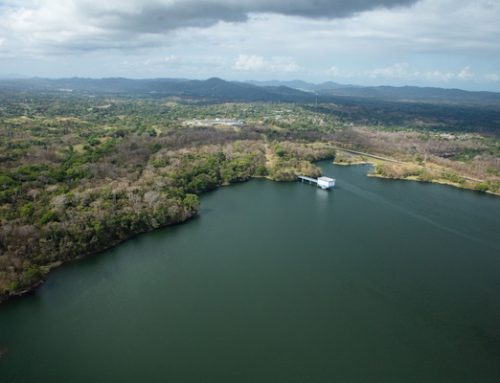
163	15
118	24
427	42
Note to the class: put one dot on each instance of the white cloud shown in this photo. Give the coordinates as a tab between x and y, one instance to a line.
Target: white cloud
396	71
433	41
494	77
436	76
255	63
429	25
333	71
112	24
291	67
466	74
404	72
250	63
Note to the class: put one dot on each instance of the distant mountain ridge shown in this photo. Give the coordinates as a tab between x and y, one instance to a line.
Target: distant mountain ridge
218	90
214	89
414	93
389	93
303	85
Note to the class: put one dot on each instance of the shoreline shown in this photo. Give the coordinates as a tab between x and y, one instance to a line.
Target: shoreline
55	265
47	269
50	267
437	181
376	160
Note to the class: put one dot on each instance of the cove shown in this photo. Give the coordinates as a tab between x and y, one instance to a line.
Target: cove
375	281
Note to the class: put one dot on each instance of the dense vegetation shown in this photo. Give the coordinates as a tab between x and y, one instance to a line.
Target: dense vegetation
82	172
78	175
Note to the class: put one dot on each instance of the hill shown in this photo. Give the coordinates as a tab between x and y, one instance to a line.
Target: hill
330	90
213	89
218	90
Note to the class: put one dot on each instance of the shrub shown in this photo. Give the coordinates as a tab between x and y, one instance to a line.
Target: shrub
48	217
191	202
482	187
31	276
27	210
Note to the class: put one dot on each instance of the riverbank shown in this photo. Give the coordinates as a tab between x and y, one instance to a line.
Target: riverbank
389	168
121	210
44	271
180	297
165	194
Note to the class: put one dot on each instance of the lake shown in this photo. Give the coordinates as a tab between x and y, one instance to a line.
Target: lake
374	281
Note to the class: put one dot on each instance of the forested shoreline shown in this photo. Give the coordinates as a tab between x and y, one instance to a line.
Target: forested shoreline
74	182
80	173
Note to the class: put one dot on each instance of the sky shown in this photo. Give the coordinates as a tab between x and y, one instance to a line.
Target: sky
443	43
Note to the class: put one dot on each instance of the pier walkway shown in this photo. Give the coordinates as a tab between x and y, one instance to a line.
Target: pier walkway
308	179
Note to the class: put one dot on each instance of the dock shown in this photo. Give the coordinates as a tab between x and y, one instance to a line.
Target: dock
322	182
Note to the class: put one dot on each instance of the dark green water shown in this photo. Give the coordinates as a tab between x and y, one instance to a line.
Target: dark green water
376	281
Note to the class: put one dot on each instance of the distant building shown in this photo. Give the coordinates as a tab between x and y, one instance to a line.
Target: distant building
214	122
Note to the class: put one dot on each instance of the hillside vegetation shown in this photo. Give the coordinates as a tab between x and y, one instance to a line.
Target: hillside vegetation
82	172
79	176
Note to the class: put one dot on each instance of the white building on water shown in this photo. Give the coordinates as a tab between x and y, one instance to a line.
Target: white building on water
326	182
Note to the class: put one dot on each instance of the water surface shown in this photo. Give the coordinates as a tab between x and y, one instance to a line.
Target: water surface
375	281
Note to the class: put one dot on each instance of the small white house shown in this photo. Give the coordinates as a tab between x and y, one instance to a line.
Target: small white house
326	182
